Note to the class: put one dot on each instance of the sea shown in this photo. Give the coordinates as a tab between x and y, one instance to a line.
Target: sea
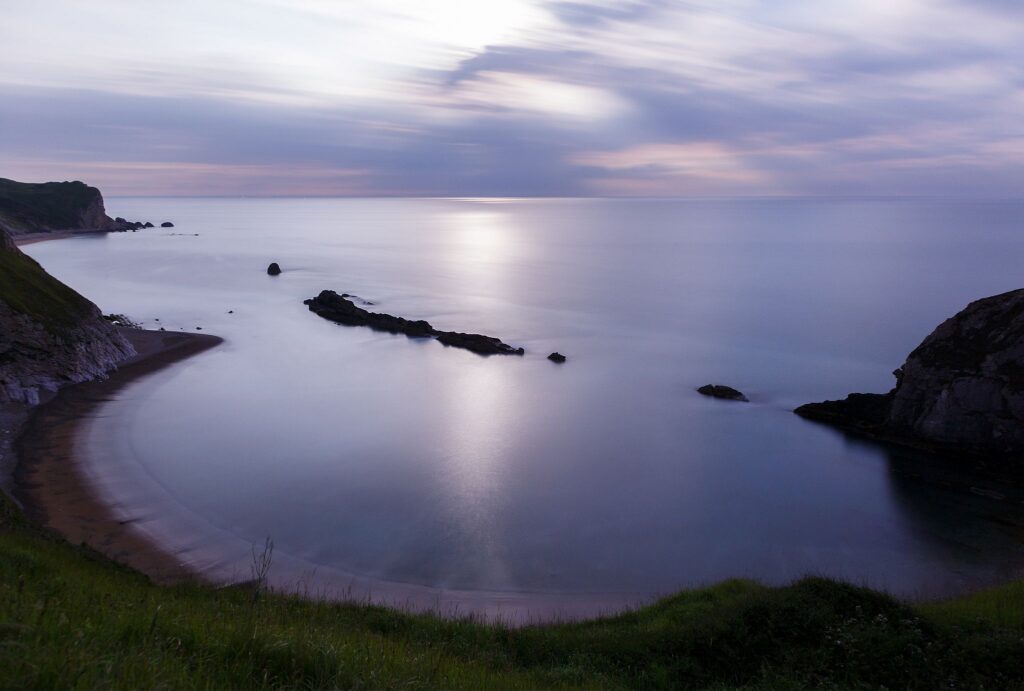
388	467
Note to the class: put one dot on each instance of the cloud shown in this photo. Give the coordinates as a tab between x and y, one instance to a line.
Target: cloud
516	97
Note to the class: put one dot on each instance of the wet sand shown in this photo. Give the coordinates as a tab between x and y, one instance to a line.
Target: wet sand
52	485
32	238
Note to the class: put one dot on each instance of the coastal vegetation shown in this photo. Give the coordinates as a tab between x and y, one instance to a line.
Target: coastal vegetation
69	618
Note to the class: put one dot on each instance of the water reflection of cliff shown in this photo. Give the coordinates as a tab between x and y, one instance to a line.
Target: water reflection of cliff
961	516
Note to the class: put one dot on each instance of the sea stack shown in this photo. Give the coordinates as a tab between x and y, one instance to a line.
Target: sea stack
726	393
960	392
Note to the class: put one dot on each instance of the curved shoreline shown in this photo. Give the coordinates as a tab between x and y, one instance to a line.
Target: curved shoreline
54	486
51	485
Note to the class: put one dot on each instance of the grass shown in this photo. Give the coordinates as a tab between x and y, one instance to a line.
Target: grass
26	288
71	619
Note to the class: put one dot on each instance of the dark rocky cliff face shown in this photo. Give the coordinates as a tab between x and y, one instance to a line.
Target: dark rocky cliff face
40	207
960	391
49	334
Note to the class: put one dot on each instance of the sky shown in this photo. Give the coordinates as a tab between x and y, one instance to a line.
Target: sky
516	97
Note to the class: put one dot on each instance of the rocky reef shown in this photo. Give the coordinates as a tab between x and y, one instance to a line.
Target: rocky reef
55	206
338	308
49	334
726	393
959	393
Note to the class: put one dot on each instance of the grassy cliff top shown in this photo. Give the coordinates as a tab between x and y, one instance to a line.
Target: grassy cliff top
71	619
27	206
26	288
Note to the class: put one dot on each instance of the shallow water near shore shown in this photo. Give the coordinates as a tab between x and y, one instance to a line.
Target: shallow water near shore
377	459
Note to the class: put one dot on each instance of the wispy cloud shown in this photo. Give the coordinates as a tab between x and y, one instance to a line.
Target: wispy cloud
516	97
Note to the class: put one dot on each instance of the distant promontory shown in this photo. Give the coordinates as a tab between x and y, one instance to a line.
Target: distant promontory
47	207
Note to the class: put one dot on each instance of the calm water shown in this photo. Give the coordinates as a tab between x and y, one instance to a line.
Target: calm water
387	460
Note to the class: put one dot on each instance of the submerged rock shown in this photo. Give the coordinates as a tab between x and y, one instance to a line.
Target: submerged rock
337	308
273	269
724	392
960	391
556	357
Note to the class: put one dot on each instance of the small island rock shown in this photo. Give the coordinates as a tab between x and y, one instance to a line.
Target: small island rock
556	357
166	224
726	393
273	269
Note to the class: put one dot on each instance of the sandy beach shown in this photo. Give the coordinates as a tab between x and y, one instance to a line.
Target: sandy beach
32	238
49	480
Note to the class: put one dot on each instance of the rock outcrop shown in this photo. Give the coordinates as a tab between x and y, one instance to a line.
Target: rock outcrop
556	357
337	308
726	393
960	392
49	334
273	269
166	224
55	206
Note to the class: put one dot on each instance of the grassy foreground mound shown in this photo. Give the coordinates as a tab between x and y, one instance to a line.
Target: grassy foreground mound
70	619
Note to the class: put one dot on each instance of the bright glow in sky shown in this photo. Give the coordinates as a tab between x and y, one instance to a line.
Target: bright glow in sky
516	97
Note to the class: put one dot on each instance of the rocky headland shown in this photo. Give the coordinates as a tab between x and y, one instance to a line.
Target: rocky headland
49	334
339	309
959	394
49	207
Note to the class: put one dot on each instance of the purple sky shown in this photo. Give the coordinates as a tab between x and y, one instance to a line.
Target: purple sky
516	97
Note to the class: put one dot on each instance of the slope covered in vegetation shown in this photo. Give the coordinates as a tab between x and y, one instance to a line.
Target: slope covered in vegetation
68	619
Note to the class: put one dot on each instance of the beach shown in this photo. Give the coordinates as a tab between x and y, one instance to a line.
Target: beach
49	480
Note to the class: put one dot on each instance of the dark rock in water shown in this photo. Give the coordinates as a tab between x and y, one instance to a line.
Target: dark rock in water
166	224
273	269
478	343
147	224
724	392
556	357
329	305
961	391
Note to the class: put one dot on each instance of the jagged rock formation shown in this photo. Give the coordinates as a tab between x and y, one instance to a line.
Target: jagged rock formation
55	206
329	305
961	391
726	393
49	334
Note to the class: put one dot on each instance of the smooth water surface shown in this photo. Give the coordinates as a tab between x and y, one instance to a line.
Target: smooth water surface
404	461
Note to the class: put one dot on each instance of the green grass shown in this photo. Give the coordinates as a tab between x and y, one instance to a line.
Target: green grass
71	619
27	288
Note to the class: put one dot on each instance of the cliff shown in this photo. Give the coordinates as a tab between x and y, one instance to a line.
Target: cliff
961	392
49	334
51	206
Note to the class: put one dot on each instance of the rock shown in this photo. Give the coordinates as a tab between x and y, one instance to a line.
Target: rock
960	392
478	343
329	305
556	357
273	269
166	224
726	393
147	224
49	334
